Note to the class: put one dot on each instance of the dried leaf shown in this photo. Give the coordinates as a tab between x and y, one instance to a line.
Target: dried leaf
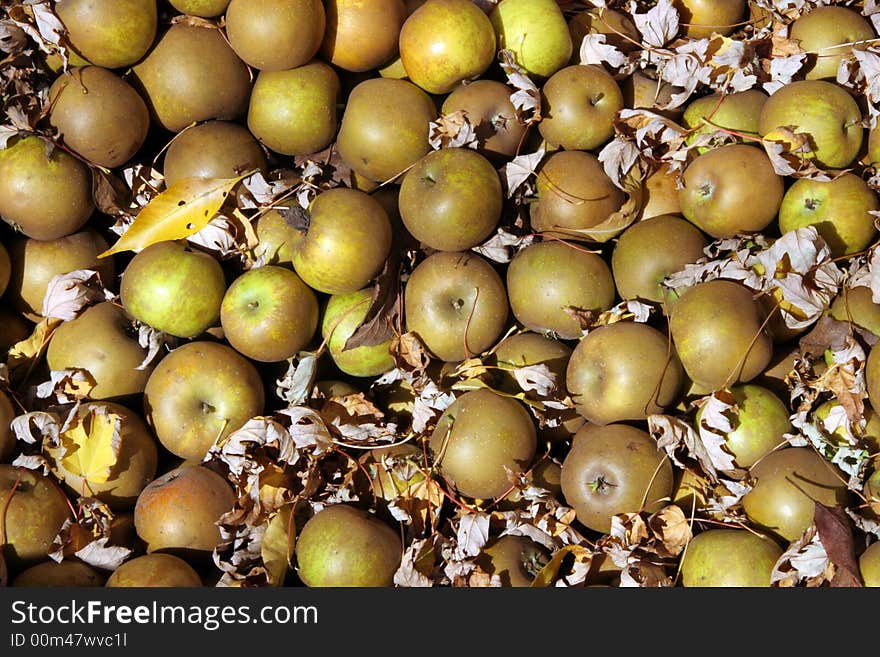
99	554
471	535
24	354
516	172
182	210
296	384
92	444
276	548
659	25
835	532
381	323
68	294
550	575
672	529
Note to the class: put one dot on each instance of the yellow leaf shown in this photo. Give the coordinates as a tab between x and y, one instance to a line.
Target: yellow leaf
28	351
92	444
277	546
550	572
180	211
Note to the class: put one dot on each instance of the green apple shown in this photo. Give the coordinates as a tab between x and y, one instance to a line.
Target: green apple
362	35
109	33
839	210
649	251
154	570
451	200
275	35
384	128
536	32
293	112
703	18
481	438
856	305
489	110
823	110
342	545
446	42
729	558
624	371
347	242
174	289
456	303
548	281
829	34
739	111
268	314
200	393
788	484
869	565
580	104
343	314
201	8
101	342
760	423
715	184
278	239
717	328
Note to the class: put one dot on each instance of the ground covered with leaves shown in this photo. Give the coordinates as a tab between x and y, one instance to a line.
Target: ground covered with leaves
368	446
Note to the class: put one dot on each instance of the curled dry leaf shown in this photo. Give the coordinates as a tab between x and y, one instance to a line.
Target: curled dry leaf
67	295
67	386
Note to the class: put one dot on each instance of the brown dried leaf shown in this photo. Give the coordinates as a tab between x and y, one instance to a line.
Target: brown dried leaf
278	543
576	559
835	532
672	530
382	321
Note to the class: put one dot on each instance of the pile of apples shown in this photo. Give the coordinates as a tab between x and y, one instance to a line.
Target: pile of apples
439	293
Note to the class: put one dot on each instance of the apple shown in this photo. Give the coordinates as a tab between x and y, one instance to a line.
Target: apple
825	111
278	239
856	305
616	26
343	314
830	34
201	8
36	262
660	193
451	200
268	314
729	558
200	393
362	35
109	33
384	127
488	108
46	194
573	193
346	244
579	105
214	149
456	303
516	560
34	510
192	74
717	328
275	35
703	18
869	565
177	512
293	112
840	210
530	348
154	570
649	251
536	32
739	112
788	484
135	465
548	281
98	115
716	182
624	371
173	288
445	42
54	574
762	420
643	90
342	545
614	469
102	342
481	438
